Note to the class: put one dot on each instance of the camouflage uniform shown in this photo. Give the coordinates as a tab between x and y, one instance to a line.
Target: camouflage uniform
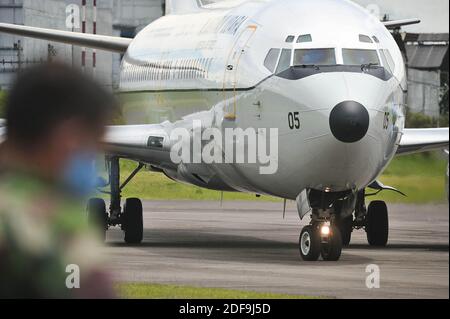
42	231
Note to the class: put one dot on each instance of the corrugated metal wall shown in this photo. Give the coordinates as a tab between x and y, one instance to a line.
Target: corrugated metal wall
424	91
113	15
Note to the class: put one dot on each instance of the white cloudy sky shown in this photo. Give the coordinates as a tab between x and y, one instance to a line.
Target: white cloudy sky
433	13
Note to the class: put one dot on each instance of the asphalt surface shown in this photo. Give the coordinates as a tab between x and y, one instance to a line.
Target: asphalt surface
248	246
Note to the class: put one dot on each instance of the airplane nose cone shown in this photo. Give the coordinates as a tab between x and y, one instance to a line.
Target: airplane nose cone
349	121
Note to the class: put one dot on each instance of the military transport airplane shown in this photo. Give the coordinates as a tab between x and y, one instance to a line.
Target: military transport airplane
327	74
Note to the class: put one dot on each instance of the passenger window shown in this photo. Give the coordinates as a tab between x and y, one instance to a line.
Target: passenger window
304	38
285	60
365	39
271	59
290	39
360	57
314	57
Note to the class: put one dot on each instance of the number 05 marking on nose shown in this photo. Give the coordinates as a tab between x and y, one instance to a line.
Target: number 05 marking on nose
294	120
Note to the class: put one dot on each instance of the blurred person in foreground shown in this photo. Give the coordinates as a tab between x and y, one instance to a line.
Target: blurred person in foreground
55	119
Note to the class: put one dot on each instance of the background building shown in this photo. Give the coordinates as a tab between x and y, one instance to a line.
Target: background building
433	13
115	17
426	48
130	17
17	52
428	73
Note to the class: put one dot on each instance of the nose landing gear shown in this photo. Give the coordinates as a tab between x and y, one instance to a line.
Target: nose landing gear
310	243
333	221
331	244
320	239
345	226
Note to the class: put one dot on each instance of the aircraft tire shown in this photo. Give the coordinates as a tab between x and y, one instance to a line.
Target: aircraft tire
132	222
97	216
345	225
331	251
309	243
377	224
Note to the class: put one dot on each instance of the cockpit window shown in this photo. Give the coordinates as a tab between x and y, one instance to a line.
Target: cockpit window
360	57
384	60
290	39
304	38
387	63
390	60
375	39
285	60
314	57
271	59
365	39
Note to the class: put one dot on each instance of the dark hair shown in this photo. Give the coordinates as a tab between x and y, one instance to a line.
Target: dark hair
44	96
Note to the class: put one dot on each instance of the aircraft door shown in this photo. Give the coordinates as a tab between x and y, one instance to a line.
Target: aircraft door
231	76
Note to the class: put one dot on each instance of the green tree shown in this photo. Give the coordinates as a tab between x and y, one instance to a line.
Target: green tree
419	120
443	104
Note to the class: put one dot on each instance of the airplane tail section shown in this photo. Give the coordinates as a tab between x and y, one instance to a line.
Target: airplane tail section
182	6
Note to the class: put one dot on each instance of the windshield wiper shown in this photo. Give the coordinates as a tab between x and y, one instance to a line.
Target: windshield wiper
368	66
312	66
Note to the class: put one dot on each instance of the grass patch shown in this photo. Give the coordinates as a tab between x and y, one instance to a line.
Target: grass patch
157	291
156	186
421	177
2	102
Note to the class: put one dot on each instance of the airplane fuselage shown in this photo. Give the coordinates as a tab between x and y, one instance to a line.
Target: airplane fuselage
325	73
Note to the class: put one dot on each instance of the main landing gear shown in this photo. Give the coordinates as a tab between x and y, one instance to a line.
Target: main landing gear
331	227
130	218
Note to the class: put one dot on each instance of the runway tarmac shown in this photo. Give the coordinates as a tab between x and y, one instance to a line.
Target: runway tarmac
248	246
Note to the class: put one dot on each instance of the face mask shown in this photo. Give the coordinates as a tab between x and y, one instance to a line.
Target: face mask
80	174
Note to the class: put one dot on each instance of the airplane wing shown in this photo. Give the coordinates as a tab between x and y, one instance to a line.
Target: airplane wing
101	42
152	142
422	140
143	143
2	131
400	23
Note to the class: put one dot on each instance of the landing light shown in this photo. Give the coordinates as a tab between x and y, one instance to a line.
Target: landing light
325	230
